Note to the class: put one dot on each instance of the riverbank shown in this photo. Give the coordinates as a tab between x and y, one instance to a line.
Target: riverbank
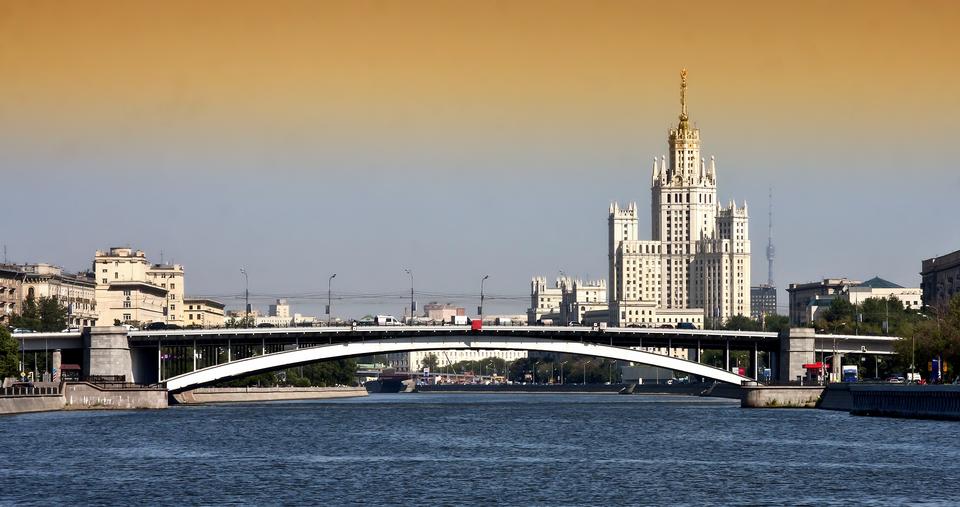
205	395
82	396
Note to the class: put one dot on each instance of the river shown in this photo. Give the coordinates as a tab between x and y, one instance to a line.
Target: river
477	449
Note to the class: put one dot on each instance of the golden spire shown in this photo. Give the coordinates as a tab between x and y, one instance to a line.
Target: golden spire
683	95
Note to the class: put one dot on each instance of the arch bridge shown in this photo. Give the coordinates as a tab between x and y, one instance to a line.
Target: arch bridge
189	358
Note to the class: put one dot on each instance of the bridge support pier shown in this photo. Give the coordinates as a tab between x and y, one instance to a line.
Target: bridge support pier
106	351
796	349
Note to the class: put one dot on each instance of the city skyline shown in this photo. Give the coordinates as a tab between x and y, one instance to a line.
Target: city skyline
352	142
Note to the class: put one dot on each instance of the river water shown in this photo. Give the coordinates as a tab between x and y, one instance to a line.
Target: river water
478	449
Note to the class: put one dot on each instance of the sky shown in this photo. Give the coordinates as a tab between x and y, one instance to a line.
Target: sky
460	139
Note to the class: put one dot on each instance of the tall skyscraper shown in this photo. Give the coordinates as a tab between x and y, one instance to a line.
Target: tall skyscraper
699	258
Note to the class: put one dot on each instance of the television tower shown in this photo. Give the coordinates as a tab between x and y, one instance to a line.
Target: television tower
770	249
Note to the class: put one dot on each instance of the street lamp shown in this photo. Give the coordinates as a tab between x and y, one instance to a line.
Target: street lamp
246	295
329	284
535	371
412	307
585	371
561	370
480	310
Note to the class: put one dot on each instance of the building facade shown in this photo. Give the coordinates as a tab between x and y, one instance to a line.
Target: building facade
76	292
202	312
910	297
699	257
125	293
170	277
805	298
579	298
763	300
940	279
438	312
414	361
11	289
545	301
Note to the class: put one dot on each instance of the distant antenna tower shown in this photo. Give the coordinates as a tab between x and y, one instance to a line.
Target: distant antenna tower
770	249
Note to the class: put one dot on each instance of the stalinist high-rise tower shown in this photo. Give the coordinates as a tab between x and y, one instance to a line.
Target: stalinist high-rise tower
699	257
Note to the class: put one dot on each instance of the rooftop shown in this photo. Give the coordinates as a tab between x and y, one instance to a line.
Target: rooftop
879	283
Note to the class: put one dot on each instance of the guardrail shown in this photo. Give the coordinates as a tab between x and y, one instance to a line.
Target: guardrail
25	391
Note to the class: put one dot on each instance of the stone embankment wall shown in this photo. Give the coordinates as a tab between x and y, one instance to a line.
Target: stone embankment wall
251	394
83	395
26	404
922	402
780	396
836	397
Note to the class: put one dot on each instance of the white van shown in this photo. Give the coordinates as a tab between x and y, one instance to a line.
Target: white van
386	320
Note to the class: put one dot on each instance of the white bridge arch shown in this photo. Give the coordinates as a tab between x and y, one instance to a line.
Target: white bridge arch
290	358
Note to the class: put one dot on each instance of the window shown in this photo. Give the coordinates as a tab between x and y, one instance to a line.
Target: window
126	317
126	304
173	286
126	293
173	307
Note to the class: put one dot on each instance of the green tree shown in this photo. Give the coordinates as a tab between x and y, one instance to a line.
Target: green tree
741	323
937	335
430	361
43	315
9	355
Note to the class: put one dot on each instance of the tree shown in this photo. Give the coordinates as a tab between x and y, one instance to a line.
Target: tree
430	361
9	355
43	315
938	335
741	323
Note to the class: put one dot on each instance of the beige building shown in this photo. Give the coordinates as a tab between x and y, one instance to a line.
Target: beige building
201	312
11	288
545	301
699	258
940	279
807	298
76	292
170	277
125	293
438	312
580	299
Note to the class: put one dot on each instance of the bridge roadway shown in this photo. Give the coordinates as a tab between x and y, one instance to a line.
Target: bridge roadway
619	337
220	354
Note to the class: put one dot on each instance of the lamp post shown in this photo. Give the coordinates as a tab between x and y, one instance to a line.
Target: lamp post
535	371
561	370
480	310
246	296
585	371
329	299
410	272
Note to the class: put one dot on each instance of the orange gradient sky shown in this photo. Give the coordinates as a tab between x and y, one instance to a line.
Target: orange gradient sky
391	109
858	70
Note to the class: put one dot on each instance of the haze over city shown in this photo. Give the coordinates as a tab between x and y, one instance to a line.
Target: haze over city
297	140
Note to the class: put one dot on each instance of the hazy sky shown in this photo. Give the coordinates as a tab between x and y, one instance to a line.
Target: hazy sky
458	139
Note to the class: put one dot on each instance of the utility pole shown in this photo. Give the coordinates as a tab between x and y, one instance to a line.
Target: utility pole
246	295
413	306
329	284
480	309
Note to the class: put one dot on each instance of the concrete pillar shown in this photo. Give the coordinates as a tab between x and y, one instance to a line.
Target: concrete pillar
194	355
796	349
106	351
726	355
753	369
56	361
